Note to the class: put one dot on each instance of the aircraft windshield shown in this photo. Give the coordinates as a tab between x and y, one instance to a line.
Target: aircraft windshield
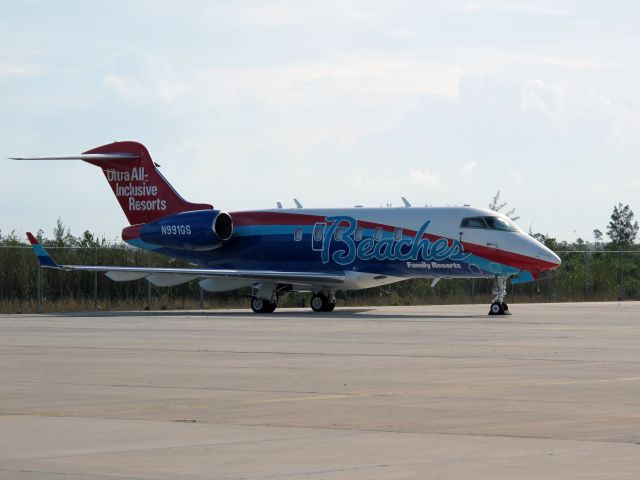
499	223
473	222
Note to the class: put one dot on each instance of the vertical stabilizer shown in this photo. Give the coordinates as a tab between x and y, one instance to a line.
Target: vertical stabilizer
143	193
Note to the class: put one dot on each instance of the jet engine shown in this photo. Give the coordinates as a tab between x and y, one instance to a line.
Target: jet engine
198	230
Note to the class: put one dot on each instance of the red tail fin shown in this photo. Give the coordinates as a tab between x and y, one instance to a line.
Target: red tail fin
144	194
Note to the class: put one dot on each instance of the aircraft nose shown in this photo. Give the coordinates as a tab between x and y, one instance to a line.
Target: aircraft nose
550	259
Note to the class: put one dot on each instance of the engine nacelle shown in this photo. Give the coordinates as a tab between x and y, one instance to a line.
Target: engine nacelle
194	231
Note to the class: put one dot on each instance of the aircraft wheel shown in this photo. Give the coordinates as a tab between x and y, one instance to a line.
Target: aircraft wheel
496	309
257	304
319	303
330	307
260	305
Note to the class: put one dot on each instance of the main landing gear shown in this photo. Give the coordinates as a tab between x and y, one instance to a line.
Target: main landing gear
499	306
260	305
265	299
321	302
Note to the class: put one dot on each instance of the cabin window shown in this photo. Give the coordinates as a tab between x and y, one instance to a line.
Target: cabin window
499	223
397	234
339	233
297	235
473	222
318	232
377	234
357	236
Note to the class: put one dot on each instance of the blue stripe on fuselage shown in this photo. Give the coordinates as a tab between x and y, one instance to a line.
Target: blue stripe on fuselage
273	247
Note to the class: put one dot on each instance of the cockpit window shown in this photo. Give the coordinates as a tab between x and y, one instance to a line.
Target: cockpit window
492	223
499	223
473	222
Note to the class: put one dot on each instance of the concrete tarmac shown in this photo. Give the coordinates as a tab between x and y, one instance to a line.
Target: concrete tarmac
435	392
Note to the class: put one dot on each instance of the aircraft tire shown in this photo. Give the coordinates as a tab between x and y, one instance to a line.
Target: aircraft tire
496	309
330	307
259	305
319	303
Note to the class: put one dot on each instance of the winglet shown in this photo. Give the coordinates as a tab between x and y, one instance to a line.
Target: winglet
44	259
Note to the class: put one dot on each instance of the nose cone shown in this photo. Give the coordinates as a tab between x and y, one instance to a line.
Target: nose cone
547	259
540	258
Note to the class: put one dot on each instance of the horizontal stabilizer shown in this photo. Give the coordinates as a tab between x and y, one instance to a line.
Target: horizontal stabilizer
86	157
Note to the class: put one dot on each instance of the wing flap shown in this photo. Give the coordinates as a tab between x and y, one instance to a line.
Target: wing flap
169	279
125	276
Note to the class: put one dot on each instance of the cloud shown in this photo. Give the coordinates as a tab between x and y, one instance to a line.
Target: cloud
138	77
424	178
469	168
530	7
20	71
271	15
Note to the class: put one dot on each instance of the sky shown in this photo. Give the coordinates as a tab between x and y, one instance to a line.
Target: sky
336	103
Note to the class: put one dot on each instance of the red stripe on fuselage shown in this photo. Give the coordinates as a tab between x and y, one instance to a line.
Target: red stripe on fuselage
248	219
516	260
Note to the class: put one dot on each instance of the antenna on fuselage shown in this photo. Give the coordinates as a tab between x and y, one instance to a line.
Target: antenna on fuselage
298	204
406	202
279	204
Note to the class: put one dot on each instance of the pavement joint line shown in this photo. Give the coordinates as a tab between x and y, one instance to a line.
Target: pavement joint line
322	472
201	405
437	394
69	474
583	382
107	451
326	354
357	430
336	395
165	387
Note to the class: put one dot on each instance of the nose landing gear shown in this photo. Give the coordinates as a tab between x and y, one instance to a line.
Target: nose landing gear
499	306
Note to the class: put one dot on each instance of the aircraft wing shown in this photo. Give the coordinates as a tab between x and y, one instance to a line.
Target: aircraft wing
134	273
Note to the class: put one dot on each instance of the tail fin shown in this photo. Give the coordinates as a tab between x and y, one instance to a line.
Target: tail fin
143	193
